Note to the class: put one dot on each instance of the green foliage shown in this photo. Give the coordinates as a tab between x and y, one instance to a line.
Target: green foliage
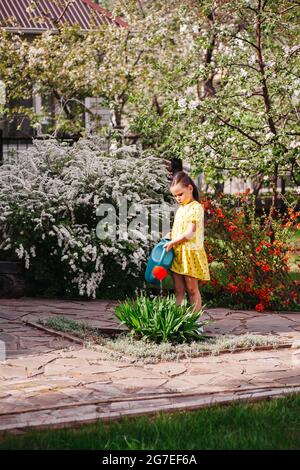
67	325
215	83
248	256
161	319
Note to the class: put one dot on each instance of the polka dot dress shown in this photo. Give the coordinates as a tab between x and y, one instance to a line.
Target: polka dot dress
190	256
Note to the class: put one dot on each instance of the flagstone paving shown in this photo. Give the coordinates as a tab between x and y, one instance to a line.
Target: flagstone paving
48	380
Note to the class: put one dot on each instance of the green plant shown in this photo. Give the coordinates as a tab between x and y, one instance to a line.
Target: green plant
161	319
249	260
67	325
125	346
51	218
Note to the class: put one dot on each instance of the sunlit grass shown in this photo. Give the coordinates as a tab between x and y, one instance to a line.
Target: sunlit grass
266	425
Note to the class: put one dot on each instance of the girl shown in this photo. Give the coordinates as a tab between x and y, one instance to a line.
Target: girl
187	236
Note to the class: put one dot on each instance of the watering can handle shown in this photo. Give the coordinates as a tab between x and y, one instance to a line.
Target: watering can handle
162	255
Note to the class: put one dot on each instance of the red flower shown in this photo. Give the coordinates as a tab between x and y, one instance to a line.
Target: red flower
266	268
263	294
220	213
266	244
234	289
260	307
294	295
206	204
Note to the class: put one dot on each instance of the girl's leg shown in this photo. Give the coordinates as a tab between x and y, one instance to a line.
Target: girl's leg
192	286
179	286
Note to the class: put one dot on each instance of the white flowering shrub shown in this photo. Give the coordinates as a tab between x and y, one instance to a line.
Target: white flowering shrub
48	200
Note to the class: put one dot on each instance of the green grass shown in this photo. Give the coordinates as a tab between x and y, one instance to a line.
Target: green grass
265	425
295	236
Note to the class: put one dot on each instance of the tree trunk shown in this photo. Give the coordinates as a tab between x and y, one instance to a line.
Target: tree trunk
219	188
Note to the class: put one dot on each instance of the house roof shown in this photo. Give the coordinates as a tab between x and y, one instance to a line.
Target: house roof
15	15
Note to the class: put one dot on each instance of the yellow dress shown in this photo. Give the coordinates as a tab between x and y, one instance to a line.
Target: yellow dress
190	256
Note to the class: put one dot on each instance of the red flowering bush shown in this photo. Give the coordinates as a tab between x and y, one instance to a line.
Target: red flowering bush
249	257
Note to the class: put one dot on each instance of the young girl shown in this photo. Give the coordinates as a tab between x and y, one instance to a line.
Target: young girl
187	236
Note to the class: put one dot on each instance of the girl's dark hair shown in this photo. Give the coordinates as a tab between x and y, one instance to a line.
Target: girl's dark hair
182	178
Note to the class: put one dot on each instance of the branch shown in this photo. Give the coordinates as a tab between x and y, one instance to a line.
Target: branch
125	47
289	8
244	65
232	126
245	95
265	90
252	9
138	58
86	109
294	52
64	11
245	40
209	89
157	105
141	7
56	20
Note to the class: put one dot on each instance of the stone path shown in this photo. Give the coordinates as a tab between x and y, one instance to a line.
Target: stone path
22	340
49	381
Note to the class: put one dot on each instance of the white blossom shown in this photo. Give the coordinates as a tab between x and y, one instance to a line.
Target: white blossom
52	200
182	103
183	28
193	104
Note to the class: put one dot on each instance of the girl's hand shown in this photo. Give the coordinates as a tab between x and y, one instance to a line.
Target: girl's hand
168	246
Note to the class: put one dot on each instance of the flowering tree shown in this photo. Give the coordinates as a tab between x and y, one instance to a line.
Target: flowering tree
111	62
235	110
215	82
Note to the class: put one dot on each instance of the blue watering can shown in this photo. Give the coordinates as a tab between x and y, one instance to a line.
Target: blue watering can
158	257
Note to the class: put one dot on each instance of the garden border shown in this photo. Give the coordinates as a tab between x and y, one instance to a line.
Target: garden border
284	345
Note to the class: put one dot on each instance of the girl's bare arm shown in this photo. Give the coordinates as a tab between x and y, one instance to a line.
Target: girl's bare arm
190	233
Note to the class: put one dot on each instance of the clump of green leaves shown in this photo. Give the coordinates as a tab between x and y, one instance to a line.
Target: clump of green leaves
67	325
160	319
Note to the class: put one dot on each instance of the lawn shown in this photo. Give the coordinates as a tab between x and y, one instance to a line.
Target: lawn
266	425
294	255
